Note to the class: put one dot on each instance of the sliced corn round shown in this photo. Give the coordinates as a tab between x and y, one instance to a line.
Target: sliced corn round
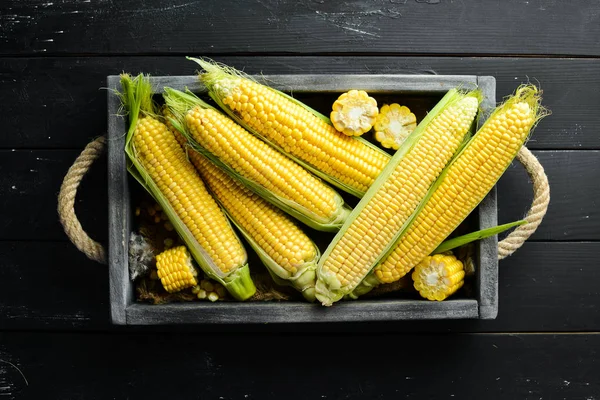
354	113
393	125
438	277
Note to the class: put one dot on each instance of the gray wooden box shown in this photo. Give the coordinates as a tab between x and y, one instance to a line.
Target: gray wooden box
126	311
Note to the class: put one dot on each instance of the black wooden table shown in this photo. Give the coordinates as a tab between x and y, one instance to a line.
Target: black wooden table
56	341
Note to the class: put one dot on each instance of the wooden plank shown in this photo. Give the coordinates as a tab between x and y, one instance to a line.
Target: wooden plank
305	26
69	105
29	184
217	366
51	285
544	287
30	179
573	213
269	313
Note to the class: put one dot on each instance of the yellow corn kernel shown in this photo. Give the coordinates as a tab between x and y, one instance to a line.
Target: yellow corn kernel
354	113
270	228
267	226
257	161
393	125
383	215
175	269
438	277
159	152
296	130
466	182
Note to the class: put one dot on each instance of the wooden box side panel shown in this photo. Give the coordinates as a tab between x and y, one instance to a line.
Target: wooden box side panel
121	287
487	276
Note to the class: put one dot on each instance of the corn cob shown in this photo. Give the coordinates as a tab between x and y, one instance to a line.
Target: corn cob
354	113
263	169
352	164
175	269
160	166
463	185
438	277
389	204
289	255
393	125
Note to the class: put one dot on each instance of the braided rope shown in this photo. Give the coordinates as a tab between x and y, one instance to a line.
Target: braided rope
539	206
66	202
96	252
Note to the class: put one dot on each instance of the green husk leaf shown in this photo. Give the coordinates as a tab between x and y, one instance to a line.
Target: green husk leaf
328	290
137	98
180	103
216	72
459	241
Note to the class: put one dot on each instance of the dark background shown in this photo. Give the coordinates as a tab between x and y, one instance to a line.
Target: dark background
54	313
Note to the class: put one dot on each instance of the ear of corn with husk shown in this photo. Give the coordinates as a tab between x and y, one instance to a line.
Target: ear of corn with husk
159	164
289	254
264	170
306	136
462	185
377	221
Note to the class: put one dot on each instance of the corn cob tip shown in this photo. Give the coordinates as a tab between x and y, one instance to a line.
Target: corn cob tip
217	76
136	96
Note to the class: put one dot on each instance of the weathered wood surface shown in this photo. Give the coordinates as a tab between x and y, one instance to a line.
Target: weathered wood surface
544	287
59	102
524	27
253	366
54	57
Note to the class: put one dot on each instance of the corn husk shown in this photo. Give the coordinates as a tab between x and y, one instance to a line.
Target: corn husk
137	99
223	72
180	103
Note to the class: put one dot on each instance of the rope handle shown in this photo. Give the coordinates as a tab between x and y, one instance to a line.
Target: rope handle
66	202
96	252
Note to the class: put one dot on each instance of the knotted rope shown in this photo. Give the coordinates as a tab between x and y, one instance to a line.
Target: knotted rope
66	202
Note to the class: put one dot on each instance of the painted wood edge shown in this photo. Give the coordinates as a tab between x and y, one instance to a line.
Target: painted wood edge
295	312
120	286
380	83
487	282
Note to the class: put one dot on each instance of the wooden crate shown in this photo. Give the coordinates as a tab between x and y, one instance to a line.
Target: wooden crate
424	90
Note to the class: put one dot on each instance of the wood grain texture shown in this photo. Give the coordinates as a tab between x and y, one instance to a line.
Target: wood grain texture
217	366
30	180
29	185
51	285
543	287
60	103
574	212
306	26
